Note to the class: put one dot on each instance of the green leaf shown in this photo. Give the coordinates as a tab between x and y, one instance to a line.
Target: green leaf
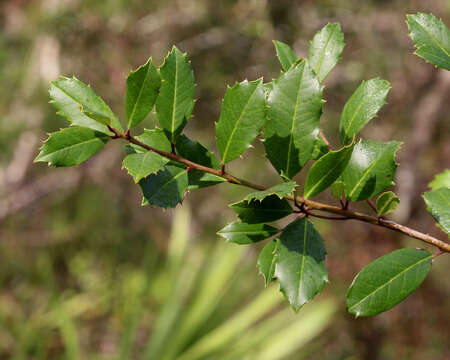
338	189
154	138
387	281
295	106
165	188
267	260
371	169
431	38
285	54
281	190
142	90
438	205
254	212
362	107
241	119
441	180
387	202
300	265
175	101
320	149
326	171
79	104
140	165
71	146
242	233
326	49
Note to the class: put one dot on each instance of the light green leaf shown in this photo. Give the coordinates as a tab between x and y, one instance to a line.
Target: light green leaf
267	260
241	120
300	264
338	189
140	165
254	212
387	202
165	188
154	138
285	54
242	233
387	281
326	49
371	169
281	190
362	107
295	106
441	180
438	205
431	38
142	90
326	171
71	146
175	101
79	104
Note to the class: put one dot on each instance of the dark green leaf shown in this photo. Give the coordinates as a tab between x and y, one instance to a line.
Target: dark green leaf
175	101
254	212
387	202
241	119
140	165
71	146
142	90
295	106
71	97
242	233
441	180
387	281
285	54
300	264
165	188
362	107
281	190
326	49
431	38
326	171
438	205
267	260
371	169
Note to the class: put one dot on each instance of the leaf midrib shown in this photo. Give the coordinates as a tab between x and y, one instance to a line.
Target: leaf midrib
72	146
167	183
323	52
432	38
140	93
305	232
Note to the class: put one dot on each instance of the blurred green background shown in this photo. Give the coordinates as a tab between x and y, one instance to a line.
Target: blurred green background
87	273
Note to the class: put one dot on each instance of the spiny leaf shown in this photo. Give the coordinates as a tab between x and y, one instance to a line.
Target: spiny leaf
387	281
140	165
387	202
431	38
267	260
300	264
326	171
441	180
281	190
371	169
362	107
243	233
175	101
254	212
241	119
438	205
295	106
79	104
326	49
142	90
165	188
71	146
285	54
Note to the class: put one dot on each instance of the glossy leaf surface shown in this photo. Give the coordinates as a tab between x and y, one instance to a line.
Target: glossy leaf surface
280	190
71	146
254	212
441	180
267	260
387	281
140	165
300	264
387	202
295	106
242	233
241	119
285	54
438	205
154	138
362	107
371	169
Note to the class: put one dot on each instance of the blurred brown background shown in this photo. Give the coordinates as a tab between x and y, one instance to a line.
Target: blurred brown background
80	233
